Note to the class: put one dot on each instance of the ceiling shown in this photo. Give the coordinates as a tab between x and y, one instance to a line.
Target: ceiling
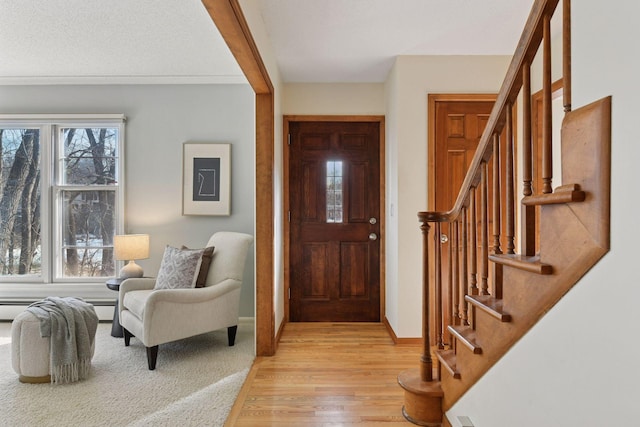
175	41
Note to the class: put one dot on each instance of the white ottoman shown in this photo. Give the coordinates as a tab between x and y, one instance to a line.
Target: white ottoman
30	353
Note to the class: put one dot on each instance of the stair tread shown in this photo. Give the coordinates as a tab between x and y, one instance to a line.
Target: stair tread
491	305
467	336
527	263
447	359
569	193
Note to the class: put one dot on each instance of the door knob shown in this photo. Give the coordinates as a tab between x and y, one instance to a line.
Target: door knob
373	236
444	238
372	220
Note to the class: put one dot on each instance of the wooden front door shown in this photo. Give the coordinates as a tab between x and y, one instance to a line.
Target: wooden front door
334	198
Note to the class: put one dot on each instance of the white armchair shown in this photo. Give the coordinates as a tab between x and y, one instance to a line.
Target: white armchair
159	316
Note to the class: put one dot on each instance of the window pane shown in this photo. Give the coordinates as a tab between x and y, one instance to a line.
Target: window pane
20	244
83	262
334	191
90	156
88	219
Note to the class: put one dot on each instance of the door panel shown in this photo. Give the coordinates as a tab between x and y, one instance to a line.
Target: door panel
333	192
353	279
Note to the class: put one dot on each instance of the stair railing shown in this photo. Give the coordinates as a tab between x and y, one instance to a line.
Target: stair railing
481	229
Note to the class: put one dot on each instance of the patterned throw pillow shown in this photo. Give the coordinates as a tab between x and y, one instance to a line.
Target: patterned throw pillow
207	257
179	268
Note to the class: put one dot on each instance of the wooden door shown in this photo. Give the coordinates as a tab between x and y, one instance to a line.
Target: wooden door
458	128
334	198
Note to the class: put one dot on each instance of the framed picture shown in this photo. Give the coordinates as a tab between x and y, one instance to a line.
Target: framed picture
206	179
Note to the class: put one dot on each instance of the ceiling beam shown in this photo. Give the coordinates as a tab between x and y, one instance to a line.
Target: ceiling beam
228	17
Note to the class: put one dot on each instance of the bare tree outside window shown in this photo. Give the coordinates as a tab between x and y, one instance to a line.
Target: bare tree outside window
89	166
19	201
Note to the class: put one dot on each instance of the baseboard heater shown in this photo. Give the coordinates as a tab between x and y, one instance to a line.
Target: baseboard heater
11	307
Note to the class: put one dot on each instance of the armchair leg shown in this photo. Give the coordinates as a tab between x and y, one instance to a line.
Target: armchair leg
231	334
127	337
152	356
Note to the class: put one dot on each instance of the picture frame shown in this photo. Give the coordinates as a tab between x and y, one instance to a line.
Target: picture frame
206	179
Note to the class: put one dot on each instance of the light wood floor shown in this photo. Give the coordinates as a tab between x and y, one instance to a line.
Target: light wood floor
327	374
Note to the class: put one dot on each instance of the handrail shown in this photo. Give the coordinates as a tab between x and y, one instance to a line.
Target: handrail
523	57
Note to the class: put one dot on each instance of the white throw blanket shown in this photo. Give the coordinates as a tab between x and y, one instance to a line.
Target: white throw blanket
71	325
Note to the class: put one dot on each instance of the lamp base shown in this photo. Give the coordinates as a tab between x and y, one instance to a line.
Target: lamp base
131	270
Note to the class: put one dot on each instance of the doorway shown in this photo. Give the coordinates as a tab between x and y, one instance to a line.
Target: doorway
334	234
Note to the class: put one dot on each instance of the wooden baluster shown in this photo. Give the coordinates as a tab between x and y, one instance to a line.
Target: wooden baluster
484	230
473	244
528	213
438	287
426	363
451	287
497	197
463	265
455	288
510	185
527	143
566	54
496	194
547	161
449	317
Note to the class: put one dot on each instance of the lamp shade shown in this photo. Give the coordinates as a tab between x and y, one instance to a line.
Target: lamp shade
128	247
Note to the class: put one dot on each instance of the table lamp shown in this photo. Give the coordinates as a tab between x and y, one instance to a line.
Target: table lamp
130	247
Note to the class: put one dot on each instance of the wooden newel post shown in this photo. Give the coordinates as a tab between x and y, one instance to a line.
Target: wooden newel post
426	363
422	394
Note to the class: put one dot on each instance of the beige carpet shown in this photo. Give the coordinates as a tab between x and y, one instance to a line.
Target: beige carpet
195	383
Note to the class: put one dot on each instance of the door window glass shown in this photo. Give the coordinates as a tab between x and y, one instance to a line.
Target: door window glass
334	191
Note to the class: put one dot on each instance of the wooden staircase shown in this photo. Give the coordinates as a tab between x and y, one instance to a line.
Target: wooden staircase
494	298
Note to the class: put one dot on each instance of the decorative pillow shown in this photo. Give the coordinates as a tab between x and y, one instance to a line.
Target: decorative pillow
179	268
207	256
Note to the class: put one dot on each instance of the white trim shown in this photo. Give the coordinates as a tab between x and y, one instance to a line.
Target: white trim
46	172
22	291
84	119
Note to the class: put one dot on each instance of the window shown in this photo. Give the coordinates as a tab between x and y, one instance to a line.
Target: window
60	197
334	191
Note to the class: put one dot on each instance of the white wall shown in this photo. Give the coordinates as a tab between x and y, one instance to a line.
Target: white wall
334	99
392	243
578	366
159	119
407	88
